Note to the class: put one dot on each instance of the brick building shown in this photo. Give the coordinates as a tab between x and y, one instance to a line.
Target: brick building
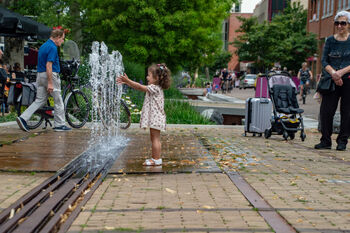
230	27
320	19
266	9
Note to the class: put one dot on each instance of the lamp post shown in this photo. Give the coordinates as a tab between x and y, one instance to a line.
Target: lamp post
58	17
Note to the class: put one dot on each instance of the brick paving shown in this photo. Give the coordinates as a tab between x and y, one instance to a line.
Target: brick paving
15	185
309	188
198	202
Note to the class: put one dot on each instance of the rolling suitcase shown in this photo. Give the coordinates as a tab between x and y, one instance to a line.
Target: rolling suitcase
257	115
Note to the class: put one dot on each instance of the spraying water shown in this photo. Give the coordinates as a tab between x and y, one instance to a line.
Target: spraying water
106	142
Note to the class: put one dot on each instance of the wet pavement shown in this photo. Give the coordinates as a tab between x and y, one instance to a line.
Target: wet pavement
39	150
181	152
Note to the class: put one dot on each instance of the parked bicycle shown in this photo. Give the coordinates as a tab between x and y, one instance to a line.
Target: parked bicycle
111	110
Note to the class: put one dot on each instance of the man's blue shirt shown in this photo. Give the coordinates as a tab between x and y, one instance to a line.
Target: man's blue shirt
48	52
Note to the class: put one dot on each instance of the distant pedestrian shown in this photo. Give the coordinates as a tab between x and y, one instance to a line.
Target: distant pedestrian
304	75
153	114
336	64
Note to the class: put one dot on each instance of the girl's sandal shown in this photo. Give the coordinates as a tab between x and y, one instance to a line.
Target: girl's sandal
152	162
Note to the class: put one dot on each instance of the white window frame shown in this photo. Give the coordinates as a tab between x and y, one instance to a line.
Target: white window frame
340	5
328	8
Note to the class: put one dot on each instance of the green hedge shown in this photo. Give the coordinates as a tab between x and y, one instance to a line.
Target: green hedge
177	111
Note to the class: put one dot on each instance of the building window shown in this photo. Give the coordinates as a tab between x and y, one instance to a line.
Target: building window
332	7
348	4
226	28
340	5
315	10
328	6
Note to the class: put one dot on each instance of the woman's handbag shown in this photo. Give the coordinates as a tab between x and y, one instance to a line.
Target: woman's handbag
326	85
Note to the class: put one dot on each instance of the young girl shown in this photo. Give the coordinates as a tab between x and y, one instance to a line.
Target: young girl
152	115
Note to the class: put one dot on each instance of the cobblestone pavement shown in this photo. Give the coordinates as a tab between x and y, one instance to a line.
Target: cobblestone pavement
309	188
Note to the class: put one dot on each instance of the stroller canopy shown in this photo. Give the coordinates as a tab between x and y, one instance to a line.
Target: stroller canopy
280	79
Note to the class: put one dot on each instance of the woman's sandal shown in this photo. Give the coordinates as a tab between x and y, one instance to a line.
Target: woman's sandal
152	162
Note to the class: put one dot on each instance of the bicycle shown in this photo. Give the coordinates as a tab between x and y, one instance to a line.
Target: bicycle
111	110
305	91
76	105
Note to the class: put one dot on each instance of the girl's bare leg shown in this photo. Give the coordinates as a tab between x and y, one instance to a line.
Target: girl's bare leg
156	144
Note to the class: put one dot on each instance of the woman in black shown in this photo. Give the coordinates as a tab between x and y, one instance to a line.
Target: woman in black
336	62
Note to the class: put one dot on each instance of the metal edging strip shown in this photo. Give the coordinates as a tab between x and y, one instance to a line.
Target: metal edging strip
276	221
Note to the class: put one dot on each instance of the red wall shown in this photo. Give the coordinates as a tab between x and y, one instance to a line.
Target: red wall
234	24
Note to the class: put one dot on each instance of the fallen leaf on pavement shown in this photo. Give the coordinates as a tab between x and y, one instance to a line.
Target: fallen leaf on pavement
208	207
199	211
170	191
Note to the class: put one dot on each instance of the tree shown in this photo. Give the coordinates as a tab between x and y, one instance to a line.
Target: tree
284	40
180	33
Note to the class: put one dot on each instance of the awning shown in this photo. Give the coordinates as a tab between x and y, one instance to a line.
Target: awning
13	24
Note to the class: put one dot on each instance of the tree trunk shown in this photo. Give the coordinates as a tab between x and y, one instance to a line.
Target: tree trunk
195	76
74	10
14	51
207	73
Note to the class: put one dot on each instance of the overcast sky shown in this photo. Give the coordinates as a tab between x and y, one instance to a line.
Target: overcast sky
248	5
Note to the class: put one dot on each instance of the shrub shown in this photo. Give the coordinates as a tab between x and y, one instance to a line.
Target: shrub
135	71
180	112
177	111
173	93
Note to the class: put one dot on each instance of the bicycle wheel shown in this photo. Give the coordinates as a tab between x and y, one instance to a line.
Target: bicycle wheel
125	117
109	115
35	120
76	109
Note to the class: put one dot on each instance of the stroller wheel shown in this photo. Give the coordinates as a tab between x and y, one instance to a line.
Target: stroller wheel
302	136
267	133
285	135
292	135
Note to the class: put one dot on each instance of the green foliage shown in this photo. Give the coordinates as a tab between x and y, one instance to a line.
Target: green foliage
173	93
134	70
284	40
201	81
9	117
180	112
84	72
177	111
175	32
220	60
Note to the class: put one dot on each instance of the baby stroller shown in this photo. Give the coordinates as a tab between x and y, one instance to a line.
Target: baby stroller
283	93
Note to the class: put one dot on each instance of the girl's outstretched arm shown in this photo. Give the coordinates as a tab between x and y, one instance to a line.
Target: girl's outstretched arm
123	79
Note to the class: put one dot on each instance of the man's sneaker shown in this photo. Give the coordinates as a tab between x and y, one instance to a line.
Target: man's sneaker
61	128
322	146
22	124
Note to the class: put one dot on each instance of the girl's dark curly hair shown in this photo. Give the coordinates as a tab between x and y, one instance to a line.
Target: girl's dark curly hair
162	73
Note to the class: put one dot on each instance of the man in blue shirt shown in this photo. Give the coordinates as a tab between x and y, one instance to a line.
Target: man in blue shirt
48	83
